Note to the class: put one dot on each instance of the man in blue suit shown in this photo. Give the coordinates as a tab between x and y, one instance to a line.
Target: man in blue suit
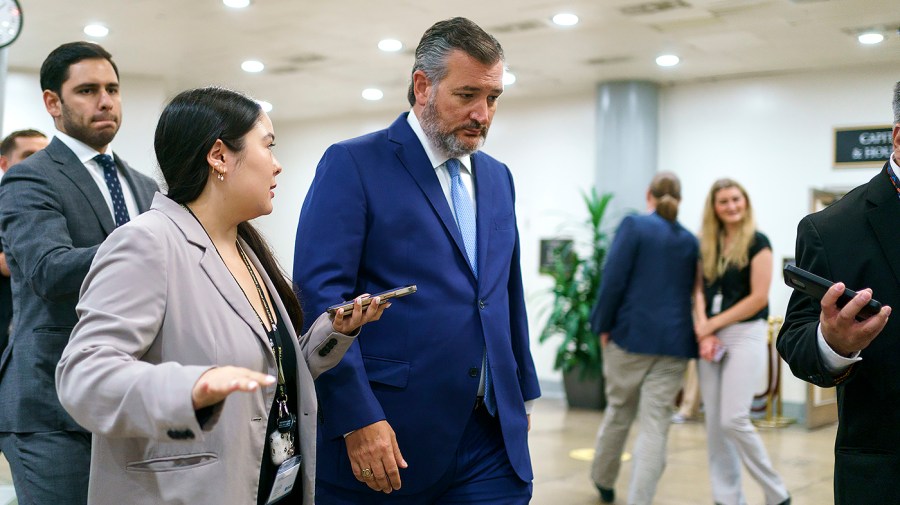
447	375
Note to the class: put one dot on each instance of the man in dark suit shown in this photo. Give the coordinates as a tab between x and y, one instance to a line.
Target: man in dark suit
56	207
445	376
855	243
17	146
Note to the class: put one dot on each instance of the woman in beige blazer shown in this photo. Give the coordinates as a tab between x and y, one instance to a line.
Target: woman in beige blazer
182	318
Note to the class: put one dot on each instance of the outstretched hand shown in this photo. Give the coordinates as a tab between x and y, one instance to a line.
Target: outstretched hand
347	323
217	383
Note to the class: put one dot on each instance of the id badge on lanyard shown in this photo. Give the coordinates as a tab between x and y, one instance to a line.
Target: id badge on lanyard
284	479
716	305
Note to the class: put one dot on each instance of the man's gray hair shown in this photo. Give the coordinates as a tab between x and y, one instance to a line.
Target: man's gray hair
443	38
897	103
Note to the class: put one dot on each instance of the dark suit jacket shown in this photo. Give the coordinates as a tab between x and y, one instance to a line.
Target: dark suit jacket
375	218
855	241
645	296
52	219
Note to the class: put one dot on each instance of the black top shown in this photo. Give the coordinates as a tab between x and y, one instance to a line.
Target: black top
734	284
268	469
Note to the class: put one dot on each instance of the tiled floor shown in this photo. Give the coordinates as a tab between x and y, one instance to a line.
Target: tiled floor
804	458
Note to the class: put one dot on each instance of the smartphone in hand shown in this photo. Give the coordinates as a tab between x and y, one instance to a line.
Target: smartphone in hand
815	286
385	296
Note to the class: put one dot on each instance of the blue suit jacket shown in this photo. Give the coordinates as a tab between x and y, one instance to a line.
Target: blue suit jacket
376	218
645	296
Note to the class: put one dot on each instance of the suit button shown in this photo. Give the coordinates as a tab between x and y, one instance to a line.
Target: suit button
481	304
473	372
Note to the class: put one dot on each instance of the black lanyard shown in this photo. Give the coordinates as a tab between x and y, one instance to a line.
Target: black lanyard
274	339
271	332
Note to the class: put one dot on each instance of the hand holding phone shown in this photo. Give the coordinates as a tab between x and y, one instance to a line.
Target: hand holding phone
385	296
815	286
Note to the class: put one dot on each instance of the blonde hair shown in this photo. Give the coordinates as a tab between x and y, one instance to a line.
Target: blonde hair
666	188
716	259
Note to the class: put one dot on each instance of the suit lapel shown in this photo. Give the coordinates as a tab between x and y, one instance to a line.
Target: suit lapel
883	217
71	167
484	188
412	156
141	197
212	265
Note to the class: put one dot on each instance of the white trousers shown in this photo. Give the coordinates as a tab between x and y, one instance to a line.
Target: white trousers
727	389
644	386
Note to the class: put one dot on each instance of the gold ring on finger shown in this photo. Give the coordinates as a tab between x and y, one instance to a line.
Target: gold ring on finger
367	473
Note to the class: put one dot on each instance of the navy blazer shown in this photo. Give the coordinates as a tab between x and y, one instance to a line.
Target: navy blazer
376	218
645	293
53	218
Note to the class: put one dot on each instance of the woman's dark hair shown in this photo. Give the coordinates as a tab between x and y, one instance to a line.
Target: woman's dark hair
188	128
666	188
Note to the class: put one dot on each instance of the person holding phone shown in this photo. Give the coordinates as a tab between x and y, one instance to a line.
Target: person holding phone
855	243
643	318
185	363
432	405
730	316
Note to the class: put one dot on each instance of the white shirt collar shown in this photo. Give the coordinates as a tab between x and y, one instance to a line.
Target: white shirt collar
82	151
894	166
434	156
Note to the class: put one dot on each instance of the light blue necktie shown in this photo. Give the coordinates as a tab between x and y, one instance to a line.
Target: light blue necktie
111	176
465	213
465	220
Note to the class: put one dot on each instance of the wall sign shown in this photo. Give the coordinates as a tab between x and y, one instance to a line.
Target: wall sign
862	146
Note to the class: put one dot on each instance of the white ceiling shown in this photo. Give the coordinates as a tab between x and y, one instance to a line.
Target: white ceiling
320	54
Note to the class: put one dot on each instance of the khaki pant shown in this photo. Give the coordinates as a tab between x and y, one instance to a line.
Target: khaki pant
642	386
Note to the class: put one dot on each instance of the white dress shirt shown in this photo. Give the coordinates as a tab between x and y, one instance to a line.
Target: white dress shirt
438	162
85	155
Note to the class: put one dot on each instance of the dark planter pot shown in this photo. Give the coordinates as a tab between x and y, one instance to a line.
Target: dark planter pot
588	393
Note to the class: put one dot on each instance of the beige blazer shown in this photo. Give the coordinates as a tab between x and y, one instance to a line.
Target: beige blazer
157	309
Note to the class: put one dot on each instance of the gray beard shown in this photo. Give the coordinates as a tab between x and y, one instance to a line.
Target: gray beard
446	141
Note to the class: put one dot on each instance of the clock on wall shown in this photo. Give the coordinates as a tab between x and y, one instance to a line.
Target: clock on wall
10	22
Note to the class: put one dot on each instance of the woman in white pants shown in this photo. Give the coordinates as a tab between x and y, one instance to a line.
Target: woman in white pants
730	322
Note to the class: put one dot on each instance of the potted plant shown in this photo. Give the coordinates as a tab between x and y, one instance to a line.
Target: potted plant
576	273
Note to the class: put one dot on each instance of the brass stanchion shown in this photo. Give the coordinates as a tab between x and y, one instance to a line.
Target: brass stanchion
774	417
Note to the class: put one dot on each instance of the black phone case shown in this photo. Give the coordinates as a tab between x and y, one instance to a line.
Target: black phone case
815	286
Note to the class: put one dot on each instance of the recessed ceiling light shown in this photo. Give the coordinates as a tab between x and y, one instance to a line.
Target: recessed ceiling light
252	66
667	60
390	45
236	4
266	106
870	38
508	77
96	30
565	19
372	94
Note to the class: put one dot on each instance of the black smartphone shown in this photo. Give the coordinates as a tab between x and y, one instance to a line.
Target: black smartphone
816	286
385	296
